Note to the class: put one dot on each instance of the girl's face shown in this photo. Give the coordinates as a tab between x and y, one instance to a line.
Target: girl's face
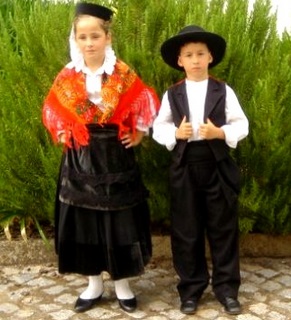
92	39
195	59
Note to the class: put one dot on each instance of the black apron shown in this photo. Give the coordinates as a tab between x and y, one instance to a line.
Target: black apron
103	175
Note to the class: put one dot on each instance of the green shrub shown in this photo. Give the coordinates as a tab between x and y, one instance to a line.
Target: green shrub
34	48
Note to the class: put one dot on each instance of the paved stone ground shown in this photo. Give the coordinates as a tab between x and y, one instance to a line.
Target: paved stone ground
38	292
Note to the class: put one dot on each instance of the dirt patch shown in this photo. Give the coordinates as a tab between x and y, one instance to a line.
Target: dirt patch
35	250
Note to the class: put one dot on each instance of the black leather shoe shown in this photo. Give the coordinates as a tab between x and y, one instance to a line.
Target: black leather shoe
82	305
189	306
232	306
128	305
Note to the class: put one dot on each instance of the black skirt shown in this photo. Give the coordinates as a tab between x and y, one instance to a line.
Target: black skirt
101	216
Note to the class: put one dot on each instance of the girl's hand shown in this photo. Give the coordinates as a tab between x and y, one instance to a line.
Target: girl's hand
62	138
128	140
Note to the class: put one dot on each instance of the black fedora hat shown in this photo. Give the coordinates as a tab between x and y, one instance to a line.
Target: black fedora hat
170	49
93	9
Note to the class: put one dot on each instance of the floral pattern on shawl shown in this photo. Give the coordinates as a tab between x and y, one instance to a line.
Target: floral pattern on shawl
125	101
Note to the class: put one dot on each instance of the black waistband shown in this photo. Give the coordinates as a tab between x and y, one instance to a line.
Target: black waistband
198	143
198	151
96	128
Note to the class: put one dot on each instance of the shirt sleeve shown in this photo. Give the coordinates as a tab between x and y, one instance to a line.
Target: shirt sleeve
164	128
237	125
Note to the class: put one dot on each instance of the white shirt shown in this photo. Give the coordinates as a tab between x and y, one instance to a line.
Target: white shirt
235	129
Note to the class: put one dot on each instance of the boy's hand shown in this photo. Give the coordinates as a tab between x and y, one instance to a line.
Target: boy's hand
209	131
185	131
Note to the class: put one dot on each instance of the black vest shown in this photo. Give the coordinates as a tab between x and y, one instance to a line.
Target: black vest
214	110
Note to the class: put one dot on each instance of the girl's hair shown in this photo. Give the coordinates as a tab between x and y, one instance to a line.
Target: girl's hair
105	25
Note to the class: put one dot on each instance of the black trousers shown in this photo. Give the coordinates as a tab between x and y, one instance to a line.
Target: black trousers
200	208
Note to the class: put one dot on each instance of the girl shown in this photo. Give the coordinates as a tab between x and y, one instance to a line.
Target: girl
99	109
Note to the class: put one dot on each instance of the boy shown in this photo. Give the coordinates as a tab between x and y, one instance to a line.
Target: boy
199	121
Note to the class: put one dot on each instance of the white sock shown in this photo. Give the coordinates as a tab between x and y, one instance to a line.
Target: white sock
95	288
122	289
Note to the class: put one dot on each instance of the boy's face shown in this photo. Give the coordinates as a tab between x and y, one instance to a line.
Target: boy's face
194	58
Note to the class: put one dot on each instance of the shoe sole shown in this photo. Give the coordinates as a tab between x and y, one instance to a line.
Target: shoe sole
233	313
189	313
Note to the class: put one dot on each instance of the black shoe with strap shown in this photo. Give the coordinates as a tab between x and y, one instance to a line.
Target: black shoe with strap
83	305
128	305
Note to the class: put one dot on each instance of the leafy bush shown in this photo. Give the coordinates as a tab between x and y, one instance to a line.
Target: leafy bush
34	48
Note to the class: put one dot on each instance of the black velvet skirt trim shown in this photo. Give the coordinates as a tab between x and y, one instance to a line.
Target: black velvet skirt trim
89	241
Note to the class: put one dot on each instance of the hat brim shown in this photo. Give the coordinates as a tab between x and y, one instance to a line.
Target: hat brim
170	49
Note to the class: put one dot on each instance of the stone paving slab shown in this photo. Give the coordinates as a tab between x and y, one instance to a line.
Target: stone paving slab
32	289
38	292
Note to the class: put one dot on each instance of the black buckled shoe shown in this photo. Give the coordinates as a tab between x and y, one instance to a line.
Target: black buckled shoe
128	305
232	306
83	305
189	306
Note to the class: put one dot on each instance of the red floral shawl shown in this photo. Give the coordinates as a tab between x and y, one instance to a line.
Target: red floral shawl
126	100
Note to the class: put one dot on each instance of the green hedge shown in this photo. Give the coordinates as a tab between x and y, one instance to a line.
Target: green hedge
257	65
